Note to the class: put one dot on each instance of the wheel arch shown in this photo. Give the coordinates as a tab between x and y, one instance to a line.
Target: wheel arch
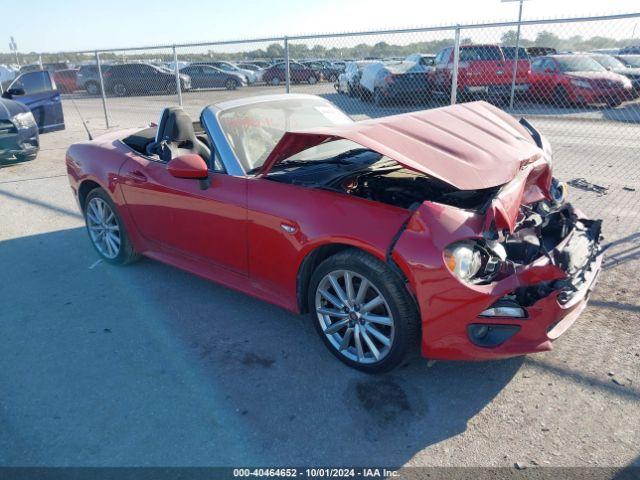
84	188
321	252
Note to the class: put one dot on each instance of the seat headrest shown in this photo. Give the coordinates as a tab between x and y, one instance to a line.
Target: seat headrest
175	125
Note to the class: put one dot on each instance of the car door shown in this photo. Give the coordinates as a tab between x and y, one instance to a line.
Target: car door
179	217
37	90
214	77
197	78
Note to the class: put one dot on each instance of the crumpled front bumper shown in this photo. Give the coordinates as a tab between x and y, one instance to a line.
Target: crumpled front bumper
553	290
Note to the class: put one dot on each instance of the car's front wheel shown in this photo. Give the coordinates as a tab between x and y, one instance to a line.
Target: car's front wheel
106	229
231	84
275	81
363	311
93	88
312	80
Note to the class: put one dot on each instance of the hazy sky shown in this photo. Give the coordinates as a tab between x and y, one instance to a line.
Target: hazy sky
46	25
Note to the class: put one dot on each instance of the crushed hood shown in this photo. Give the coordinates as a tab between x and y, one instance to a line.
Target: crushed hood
470	145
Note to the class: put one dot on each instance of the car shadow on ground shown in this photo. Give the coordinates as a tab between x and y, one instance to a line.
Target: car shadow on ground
150	365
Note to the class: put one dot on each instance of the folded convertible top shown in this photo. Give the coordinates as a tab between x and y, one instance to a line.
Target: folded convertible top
470	145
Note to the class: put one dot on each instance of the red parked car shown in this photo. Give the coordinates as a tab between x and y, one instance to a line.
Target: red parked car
443	228
276	74
576	80
66	80
482	70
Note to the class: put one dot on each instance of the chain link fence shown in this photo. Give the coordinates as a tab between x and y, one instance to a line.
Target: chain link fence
577	80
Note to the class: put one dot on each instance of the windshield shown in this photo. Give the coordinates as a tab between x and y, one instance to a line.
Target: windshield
632	61
609	62
254	130
579	64
510	53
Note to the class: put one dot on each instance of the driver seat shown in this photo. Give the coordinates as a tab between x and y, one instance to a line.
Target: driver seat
176	136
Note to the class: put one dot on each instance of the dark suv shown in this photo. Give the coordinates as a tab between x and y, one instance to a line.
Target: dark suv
141	79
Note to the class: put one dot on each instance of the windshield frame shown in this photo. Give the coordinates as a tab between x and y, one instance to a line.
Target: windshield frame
210	119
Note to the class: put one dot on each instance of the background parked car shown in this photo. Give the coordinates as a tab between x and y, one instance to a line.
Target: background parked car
325	70
141	78
425	60
66	80
276	74
249	75
576	79
614	65
483	69
258	71
349	81
18	131
540	51
382	82
37	91
206	76
88	79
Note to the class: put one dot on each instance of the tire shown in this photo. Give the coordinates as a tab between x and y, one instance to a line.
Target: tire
92	88
333	77
275	81
397	307
613	103
120	89
171	87
231	84
312	80
350	90
124	252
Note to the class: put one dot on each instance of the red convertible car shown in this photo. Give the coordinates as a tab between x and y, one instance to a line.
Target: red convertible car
442	228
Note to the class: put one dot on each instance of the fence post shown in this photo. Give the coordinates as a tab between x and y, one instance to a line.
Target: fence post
177	72
456	60
287	75
102	91
515	60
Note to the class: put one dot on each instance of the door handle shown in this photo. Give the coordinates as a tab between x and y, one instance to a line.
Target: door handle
136	176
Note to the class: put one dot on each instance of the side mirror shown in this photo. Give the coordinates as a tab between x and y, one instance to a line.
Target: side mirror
189	165
16	92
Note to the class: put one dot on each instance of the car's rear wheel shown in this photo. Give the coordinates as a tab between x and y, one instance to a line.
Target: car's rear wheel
363	311
120	89
92	88
171	87
231	84
106	229
312	80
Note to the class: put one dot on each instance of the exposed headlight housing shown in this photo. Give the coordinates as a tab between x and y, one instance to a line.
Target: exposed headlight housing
581	83
471	261
24	121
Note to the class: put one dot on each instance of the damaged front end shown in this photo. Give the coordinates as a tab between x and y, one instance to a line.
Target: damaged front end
503	282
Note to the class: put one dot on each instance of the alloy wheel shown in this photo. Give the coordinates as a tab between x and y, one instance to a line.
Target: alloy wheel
354	316
103	228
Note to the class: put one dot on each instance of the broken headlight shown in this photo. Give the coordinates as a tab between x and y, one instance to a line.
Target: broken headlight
471	261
